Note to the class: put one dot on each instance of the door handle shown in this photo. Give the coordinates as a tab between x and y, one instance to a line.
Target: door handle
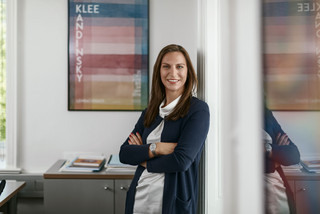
302	189
123	188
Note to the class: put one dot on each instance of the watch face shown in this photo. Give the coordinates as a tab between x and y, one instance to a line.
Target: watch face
153	147
268	147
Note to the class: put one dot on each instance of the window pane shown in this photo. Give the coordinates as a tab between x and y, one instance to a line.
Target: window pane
2	81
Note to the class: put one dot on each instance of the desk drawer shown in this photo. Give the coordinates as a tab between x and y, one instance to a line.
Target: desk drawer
79	196
307	197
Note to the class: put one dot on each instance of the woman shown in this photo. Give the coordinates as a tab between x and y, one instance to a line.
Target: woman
167	140
280	150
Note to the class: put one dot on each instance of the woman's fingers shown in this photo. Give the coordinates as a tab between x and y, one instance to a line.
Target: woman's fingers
283	139
135	139
139	137
278	137
286	140
132	139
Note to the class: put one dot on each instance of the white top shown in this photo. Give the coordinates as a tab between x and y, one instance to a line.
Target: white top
149	191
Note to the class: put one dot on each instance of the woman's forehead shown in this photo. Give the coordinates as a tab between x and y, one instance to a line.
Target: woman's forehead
174	58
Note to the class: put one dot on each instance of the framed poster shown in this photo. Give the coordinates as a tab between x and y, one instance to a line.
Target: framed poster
291	36
108	54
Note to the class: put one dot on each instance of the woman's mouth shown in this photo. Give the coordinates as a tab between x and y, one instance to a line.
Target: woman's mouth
173	80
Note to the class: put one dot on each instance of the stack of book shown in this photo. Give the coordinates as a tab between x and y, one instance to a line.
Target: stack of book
311	165
85	163
114	165
292	168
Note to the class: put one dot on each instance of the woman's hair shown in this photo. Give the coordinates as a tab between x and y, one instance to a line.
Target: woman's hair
158	92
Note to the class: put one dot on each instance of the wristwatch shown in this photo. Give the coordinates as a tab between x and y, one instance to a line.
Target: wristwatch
153	147
268	148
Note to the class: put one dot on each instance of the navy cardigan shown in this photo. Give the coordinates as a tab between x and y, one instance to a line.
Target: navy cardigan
284	155
181	167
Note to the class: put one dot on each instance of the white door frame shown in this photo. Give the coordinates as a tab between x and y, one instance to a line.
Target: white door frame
231	42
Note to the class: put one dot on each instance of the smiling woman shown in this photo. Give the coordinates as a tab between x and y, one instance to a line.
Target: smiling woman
167	141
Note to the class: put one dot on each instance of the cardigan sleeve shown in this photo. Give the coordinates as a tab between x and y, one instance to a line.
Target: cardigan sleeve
283	154
190	143
135	154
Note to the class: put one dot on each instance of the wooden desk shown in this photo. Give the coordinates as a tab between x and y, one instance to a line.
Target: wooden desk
85	192
8	198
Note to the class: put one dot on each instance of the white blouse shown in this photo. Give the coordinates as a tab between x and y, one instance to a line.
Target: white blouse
149	191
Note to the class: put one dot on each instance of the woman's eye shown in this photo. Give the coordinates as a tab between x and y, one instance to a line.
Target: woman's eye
165	66
179	66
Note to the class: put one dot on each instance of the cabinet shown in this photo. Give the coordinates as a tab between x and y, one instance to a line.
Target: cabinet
120	194
306	188
82	193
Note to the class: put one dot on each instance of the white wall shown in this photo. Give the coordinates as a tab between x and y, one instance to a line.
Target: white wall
303	129
46	129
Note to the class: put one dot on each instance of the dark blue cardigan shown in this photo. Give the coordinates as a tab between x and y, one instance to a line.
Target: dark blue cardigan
181	167
284	155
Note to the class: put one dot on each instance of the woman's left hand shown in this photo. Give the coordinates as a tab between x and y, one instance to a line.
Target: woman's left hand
135	139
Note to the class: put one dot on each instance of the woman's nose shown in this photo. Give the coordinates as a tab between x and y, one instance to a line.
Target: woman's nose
173	71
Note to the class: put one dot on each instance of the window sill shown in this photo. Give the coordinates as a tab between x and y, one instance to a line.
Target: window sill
10	171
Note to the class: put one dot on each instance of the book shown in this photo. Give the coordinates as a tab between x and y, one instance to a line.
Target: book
88	161
114	161
84	164
292	168
123	170
312	170
114	165
311	164
68	167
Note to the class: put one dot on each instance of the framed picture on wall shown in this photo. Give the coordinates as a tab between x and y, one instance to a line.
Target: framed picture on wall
108	48
291	36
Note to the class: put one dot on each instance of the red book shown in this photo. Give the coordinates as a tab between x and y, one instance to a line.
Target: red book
89	161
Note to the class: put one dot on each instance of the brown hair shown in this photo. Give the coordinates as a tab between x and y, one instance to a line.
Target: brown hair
158	93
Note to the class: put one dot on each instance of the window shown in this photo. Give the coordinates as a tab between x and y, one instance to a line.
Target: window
2	82
8	148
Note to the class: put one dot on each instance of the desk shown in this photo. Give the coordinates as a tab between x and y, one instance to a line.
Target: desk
54	173
78	192
8	198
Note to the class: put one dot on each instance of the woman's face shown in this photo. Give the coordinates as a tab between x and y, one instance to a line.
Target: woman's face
173	72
